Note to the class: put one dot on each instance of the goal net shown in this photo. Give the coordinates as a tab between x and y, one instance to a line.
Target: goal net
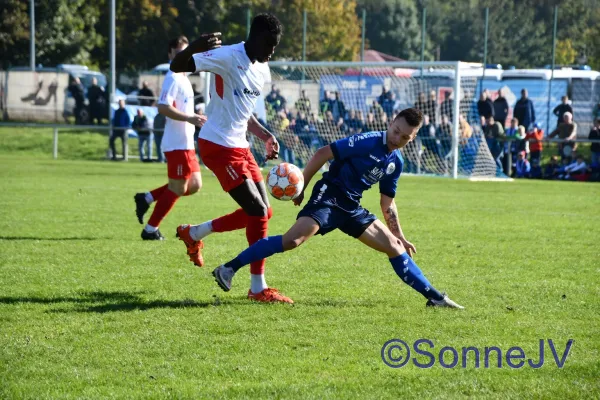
316	103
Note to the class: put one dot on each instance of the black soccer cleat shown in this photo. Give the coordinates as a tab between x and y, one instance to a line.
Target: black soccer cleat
156	235
141	206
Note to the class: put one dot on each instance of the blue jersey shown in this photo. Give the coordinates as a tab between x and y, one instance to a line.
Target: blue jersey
361	161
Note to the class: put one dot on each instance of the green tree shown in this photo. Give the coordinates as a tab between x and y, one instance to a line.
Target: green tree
565	53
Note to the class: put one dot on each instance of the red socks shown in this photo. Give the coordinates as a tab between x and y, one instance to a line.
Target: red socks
163	205
234	221
256	230
156	193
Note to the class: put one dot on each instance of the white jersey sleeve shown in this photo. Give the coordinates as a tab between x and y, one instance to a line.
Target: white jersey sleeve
168	91
216	61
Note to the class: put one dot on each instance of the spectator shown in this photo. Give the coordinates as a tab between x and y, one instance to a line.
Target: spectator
427	135
501	108
145	95
595	135
536	170
338	108
447	107
301	125
275	100
121	122
353	123
325	104
376	109
522	166
198	98
303	103
444	133
141	127
567	131
383	95
421	103
432	107
97	102
573	170
371	125
551	169
76	90
485	107
388	104
159	126
510	146
534	138
465	130
494	134
560	110
524	110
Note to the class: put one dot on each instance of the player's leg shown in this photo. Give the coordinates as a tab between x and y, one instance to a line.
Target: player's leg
377	236
300	232
184	179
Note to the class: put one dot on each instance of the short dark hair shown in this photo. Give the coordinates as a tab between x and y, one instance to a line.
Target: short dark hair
412	116
265	22
178	41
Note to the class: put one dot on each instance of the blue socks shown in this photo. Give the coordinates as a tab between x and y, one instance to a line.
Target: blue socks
264	248
410	274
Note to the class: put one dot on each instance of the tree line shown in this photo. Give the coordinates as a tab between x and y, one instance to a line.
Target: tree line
520	32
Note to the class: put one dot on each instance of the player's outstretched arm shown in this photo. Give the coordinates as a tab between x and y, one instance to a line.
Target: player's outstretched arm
184	61
263	134
313	166
173	113
390	214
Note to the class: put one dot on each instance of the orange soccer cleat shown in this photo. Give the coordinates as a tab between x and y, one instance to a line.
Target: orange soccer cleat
194	247
269	295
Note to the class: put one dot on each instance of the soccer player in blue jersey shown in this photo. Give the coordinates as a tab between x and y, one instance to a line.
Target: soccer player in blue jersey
359	161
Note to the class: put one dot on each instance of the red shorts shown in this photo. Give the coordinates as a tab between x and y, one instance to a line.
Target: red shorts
181	164
231	165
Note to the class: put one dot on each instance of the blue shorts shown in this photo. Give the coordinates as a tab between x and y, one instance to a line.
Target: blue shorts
332	210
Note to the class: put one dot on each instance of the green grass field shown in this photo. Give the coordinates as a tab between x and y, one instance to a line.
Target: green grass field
88	310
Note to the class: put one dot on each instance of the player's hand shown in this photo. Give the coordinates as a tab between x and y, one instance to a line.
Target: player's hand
410	248
272	146
197	120
298	200
206	42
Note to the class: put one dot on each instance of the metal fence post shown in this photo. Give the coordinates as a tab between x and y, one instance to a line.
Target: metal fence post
55	144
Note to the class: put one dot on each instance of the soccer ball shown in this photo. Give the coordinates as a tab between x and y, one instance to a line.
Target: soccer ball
285	181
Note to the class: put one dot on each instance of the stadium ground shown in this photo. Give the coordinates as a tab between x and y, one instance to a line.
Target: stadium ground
88	310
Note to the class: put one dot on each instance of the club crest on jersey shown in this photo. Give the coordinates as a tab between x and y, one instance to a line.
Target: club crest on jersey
390	168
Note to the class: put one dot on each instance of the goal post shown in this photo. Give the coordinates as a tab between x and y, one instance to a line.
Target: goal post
317	103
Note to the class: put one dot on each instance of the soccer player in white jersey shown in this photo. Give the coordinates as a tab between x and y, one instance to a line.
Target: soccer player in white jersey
176	102
240	72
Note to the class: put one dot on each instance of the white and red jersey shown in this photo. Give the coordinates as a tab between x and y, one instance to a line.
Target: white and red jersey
234	90
177	92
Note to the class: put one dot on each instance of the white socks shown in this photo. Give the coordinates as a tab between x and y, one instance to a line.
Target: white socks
150	228
149	198
257	283
199	232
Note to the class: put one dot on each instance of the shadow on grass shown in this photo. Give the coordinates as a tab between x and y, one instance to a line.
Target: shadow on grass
48	239
105	301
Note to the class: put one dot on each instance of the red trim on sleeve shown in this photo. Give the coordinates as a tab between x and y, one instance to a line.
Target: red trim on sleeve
219	85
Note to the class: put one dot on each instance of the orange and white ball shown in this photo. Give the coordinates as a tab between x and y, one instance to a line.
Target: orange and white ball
285	181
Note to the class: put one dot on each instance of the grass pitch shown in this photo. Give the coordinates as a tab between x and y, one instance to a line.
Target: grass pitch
88	310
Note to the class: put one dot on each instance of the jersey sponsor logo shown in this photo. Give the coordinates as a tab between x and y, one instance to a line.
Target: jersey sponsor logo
362	136
390	168
251	92
374	175
373	157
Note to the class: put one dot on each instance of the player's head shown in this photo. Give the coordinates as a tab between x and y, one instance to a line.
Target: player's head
265	34
404	128
176	45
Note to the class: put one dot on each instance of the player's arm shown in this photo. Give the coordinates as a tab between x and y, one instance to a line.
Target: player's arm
263	134
390	214
184	60
173	113
313	166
